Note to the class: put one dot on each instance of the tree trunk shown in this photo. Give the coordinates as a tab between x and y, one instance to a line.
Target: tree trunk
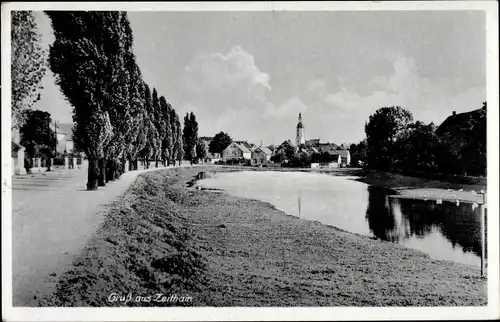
123	164
136	164
156	162
115	171
130	165
109	170
101	181
118	170
93	173
168	162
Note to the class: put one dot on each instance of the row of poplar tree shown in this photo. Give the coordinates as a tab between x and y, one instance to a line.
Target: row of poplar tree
117	116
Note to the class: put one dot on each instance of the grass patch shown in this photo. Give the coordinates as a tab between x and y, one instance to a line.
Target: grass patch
164	238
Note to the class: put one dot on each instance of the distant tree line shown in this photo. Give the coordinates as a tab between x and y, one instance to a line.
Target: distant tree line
117	116
395	142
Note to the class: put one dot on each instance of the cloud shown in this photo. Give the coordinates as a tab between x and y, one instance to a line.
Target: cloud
430	100
315	92
228	92
290	109
232	76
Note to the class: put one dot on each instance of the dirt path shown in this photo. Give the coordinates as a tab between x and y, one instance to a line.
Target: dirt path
53	217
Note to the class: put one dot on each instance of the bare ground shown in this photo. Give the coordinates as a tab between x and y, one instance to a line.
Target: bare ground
164	238
422	188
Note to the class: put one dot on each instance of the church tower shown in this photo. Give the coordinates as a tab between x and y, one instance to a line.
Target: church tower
300	140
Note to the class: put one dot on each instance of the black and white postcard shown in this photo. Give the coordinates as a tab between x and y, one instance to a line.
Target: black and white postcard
250	161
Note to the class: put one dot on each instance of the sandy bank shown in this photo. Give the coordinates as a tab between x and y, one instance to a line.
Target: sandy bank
218	250
421	188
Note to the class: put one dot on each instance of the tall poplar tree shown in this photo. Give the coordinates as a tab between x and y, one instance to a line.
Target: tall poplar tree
159	124
190	137
166	146
179	145
28	64
119	44
137	134
173	127
83	71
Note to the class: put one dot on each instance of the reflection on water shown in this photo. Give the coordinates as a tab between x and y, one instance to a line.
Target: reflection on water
444	231
416	222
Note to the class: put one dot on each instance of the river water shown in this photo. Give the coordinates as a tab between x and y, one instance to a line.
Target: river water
444	231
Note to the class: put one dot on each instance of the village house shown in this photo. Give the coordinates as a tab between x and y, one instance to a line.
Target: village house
249	146
18	152
339	157
237	151
261	155
64	136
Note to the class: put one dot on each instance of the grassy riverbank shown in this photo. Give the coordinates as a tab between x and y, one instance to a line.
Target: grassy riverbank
163	238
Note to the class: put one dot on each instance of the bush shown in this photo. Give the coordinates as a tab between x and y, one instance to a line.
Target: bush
27	163
235	162
59	160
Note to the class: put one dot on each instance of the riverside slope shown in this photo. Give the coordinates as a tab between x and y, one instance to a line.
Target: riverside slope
163	238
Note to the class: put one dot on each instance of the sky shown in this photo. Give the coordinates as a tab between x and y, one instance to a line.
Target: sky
250	73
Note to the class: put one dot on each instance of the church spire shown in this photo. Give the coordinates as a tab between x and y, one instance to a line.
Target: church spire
299	139
299	124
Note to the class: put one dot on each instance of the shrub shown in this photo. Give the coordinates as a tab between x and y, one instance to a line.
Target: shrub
59	160
27	163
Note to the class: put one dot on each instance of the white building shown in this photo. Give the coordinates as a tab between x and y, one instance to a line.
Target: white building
64	137
300	138
261	155
236	151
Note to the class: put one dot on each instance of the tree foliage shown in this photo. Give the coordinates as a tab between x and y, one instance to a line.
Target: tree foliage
395	143
418	148
178	141
219	143
159	124
358	153
190	136
201	152
116	114
167	137
300	159
84	72
383	130
136	136
29	62
37	136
